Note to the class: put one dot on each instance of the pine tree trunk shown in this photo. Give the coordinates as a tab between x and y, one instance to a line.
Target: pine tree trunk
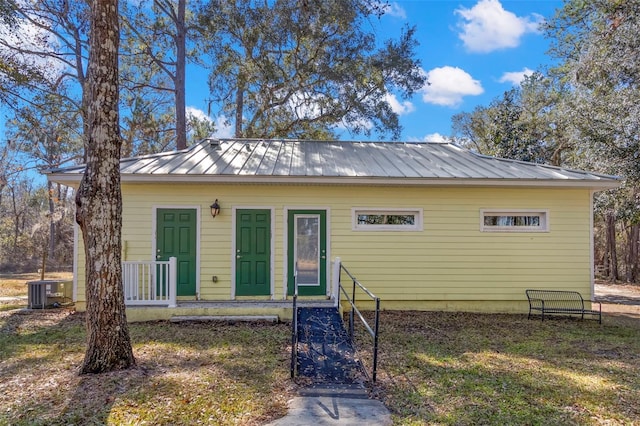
611	247
179	84
52	223
632	253
16	216
3	183
99	200
239	107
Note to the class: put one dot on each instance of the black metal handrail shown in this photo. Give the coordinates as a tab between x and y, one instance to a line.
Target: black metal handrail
294	325
354	310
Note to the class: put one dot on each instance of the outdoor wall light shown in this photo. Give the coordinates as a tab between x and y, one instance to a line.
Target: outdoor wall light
215	208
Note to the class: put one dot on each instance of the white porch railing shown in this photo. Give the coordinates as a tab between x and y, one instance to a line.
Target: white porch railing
150	283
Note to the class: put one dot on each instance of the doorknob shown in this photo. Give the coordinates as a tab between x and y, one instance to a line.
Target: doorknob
238	257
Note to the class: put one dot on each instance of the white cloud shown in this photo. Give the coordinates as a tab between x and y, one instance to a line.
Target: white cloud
393	9
488	26
431	137
197	114
515	77
32	46
435	137
224	129
306	104
400	108
448	85
344	126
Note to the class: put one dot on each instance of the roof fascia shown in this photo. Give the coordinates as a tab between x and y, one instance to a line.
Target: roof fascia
604	184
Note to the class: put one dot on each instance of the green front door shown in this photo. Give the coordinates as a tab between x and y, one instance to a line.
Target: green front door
253	252
176	237
307	248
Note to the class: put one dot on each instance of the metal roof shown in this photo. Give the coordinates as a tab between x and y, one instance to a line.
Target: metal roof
257	160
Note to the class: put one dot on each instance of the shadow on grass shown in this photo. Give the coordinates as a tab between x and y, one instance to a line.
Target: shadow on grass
232	373
189	374
39	353
456	368
39	335
247	352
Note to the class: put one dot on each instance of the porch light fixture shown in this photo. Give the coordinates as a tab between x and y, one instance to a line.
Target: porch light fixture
215	208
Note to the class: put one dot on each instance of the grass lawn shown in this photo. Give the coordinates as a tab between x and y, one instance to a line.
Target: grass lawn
201	373
434	368
469	369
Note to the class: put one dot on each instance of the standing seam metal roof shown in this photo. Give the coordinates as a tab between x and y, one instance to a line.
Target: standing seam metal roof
295	158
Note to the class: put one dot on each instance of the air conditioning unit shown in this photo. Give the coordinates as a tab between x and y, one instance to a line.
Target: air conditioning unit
43	293
37	294
55	289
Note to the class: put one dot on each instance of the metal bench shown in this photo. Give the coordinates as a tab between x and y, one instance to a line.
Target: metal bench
560	302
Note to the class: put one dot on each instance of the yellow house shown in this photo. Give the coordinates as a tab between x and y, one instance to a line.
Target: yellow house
427	226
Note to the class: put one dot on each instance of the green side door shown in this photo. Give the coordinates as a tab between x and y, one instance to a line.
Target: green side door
307	251
253	252
176	234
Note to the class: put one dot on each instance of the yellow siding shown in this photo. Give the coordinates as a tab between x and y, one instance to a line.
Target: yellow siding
450	260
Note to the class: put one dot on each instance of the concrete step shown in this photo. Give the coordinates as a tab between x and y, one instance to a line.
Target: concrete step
335	390
226	318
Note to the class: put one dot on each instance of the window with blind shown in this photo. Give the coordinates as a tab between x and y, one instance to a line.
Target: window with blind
387	219
514	221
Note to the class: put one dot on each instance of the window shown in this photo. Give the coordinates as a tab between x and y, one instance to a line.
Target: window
387	219
514	221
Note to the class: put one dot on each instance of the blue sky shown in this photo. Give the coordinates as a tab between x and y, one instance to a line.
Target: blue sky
471	51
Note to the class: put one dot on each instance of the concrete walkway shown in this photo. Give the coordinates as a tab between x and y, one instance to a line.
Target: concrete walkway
13	298
334	405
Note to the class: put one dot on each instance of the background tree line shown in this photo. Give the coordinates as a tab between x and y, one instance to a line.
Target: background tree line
303	68
287	68
582	113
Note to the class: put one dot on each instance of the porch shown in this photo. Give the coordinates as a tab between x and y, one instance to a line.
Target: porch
230	310
150	294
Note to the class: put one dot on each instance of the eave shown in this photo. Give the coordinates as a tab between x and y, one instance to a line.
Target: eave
73	180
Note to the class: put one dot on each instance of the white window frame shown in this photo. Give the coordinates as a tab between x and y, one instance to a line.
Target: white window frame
416	227
542	213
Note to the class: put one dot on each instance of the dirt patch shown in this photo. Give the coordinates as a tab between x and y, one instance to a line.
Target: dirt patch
618	298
